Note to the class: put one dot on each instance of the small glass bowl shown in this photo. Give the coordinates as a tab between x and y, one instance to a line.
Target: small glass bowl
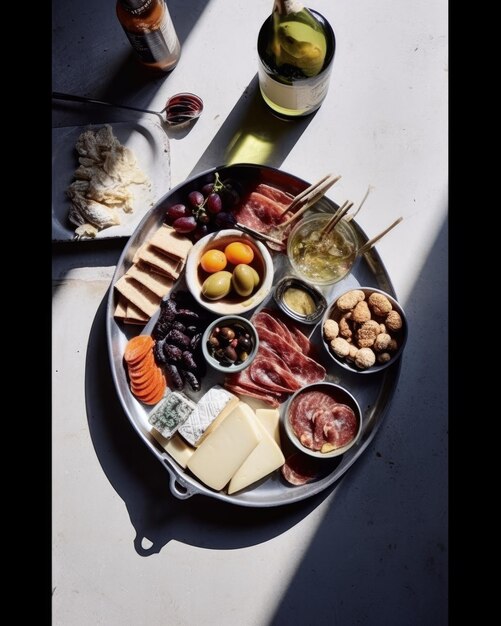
229	320
322	263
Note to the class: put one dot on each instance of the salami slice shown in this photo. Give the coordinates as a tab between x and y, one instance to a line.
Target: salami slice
318	420
300	469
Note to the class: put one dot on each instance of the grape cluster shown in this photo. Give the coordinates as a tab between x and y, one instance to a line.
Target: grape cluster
205	211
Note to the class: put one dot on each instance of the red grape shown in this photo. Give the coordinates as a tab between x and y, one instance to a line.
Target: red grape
200	231
185	225
195	198
214	203
225	220
207	189
178	210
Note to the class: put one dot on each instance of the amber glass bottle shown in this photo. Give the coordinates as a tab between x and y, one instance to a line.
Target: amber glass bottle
149	27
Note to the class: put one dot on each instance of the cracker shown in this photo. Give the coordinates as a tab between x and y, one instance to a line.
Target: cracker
138	294
169	242
135	315
161	262
159	284
121	308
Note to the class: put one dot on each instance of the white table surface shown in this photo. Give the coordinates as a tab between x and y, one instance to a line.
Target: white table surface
373	550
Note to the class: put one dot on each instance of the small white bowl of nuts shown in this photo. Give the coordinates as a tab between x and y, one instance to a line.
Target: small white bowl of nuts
364	330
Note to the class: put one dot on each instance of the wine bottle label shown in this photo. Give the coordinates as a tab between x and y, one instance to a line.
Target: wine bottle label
155	45
303	95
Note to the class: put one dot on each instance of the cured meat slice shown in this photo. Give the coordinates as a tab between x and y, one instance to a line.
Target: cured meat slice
266	319
241	390
279	196
318	419
305	369
300	469
266	371
259	212
242	384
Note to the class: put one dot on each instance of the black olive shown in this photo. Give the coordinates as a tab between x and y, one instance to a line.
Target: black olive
230	354
244	343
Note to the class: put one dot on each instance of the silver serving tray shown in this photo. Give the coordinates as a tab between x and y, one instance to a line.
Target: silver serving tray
373	392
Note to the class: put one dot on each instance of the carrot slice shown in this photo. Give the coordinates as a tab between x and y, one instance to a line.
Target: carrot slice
155	397
149	387
136	370
137	348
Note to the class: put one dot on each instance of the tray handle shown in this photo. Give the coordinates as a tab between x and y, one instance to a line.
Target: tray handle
178	487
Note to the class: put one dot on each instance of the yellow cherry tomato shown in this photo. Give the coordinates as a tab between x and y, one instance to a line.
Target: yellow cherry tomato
237	252
213	261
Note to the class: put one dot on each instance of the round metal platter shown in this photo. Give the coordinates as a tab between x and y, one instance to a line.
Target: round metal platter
373	392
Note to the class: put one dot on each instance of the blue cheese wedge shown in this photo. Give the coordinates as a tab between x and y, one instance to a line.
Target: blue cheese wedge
172	413
210	411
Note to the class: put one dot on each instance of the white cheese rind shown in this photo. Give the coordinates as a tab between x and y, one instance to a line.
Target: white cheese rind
210	411
264	459
270	419
222	452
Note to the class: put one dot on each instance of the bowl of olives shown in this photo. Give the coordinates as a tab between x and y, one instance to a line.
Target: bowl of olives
230	343
229	272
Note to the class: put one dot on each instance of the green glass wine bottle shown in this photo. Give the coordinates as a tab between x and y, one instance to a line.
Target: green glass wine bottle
296	48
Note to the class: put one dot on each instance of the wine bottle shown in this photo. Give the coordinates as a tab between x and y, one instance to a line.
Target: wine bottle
149	28
296	49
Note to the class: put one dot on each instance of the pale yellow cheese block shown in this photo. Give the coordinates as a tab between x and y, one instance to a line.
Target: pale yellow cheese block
270	419
167	240
176	447
219	456
138	294
264	459
155	282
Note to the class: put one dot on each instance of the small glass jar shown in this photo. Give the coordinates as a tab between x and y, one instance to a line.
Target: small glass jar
322	260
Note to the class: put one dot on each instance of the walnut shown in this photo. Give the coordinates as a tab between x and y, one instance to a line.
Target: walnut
344	327
367	333
379	304
350	299
392	346
382	328
361	312
382	342
393	320
365	358
340	347
383	357
353	352
331	329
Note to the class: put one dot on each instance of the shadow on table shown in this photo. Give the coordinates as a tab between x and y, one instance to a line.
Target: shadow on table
252	134
143	484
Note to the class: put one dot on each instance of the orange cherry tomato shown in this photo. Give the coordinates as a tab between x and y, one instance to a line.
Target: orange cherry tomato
213	261
237	252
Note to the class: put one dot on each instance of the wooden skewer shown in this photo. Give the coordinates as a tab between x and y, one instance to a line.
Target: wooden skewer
310	200
352	215
316	189
368	244
338	215
257	234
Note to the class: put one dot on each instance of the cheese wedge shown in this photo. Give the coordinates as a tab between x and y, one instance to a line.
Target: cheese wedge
270	419
176	447
222	452
213	407
264	459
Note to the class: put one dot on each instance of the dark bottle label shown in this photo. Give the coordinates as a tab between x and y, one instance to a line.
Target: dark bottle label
135	7
151	47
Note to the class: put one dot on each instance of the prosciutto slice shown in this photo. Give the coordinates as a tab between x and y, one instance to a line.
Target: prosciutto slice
304	368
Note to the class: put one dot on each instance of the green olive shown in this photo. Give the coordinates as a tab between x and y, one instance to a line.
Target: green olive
255	276
244	280
217	285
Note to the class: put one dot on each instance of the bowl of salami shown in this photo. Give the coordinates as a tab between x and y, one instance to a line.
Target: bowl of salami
323	420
